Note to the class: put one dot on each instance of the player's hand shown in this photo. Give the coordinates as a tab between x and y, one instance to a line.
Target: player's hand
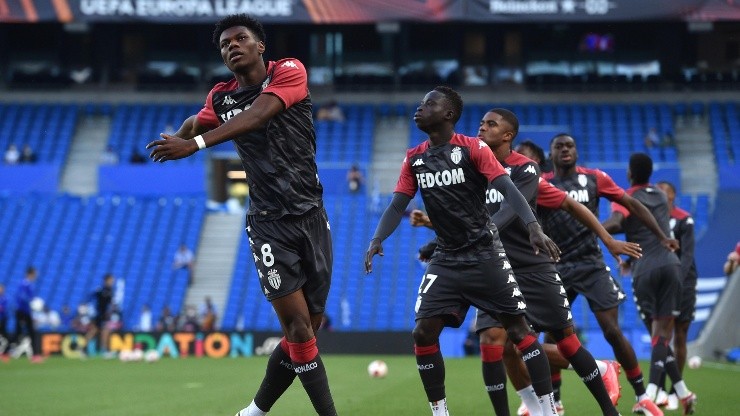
419	219
540	241
617	248
171	148
671	244
376	247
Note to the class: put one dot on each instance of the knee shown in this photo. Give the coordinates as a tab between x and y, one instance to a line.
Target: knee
424	336
612	332
493	336
299	331
517	333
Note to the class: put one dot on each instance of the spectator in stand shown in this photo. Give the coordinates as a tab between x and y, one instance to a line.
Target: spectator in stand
4	339
354	178
184	259
12	155
145	319
109	156
652	139
167	322
330	112
733	260
47	319
208	315
23	319
27	155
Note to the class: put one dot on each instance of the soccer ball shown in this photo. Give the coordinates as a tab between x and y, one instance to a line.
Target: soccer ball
694	362
151	356
377	369
125	356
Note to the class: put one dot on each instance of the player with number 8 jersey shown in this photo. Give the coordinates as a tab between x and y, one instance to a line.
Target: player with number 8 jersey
266	111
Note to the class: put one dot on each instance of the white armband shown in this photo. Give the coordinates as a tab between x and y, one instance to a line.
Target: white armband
201	143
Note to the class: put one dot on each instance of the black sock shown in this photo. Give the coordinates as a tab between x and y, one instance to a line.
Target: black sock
585	366
310	369
634	376
658	359
494	377
671	367
536	361
661	386
279	375
432	371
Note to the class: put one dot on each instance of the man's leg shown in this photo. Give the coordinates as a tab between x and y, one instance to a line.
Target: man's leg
492	341
295	319
623	351
430	363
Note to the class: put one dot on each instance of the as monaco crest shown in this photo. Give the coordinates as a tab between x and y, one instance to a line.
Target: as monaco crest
274	278
456	155
582	180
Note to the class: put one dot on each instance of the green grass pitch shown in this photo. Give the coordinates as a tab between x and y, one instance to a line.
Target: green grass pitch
205	387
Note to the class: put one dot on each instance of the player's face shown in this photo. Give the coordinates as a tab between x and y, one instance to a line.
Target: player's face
528	152
494	130
668	192
432	111
240	49
563	152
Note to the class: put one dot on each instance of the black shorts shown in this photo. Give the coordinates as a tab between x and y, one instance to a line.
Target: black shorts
688	302
292	254
548	308
658	292
595	282
448	289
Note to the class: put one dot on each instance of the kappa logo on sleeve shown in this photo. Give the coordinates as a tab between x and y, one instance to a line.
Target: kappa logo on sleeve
531	170
289	64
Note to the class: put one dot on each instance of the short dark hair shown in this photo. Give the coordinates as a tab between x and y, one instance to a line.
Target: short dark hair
30	270
510	118
641	167
241	19
536	149
562	134
453	97
668	184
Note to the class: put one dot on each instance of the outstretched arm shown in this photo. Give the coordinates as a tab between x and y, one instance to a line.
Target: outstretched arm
190	128
170	147
537	238
388	222
527	186
587	218
613	224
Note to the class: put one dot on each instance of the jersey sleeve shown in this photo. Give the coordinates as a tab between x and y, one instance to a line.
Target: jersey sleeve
606	186
207	116
687	242
616	207
289	81
406	181
549	196
483	159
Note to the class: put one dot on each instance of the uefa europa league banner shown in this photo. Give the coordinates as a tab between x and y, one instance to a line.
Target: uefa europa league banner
364	11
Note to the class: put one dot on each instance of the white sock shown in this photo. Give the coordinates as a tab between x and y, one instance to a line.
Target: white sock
602	367
681	389
652	391
439	408
252	410
642	397
529	398
547	404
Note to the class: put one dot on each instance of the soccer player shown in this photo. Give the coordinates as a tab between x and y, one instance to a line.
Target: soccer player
682	229
23	315
102	297
469	266
656	278
582	266
537	277
266	110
